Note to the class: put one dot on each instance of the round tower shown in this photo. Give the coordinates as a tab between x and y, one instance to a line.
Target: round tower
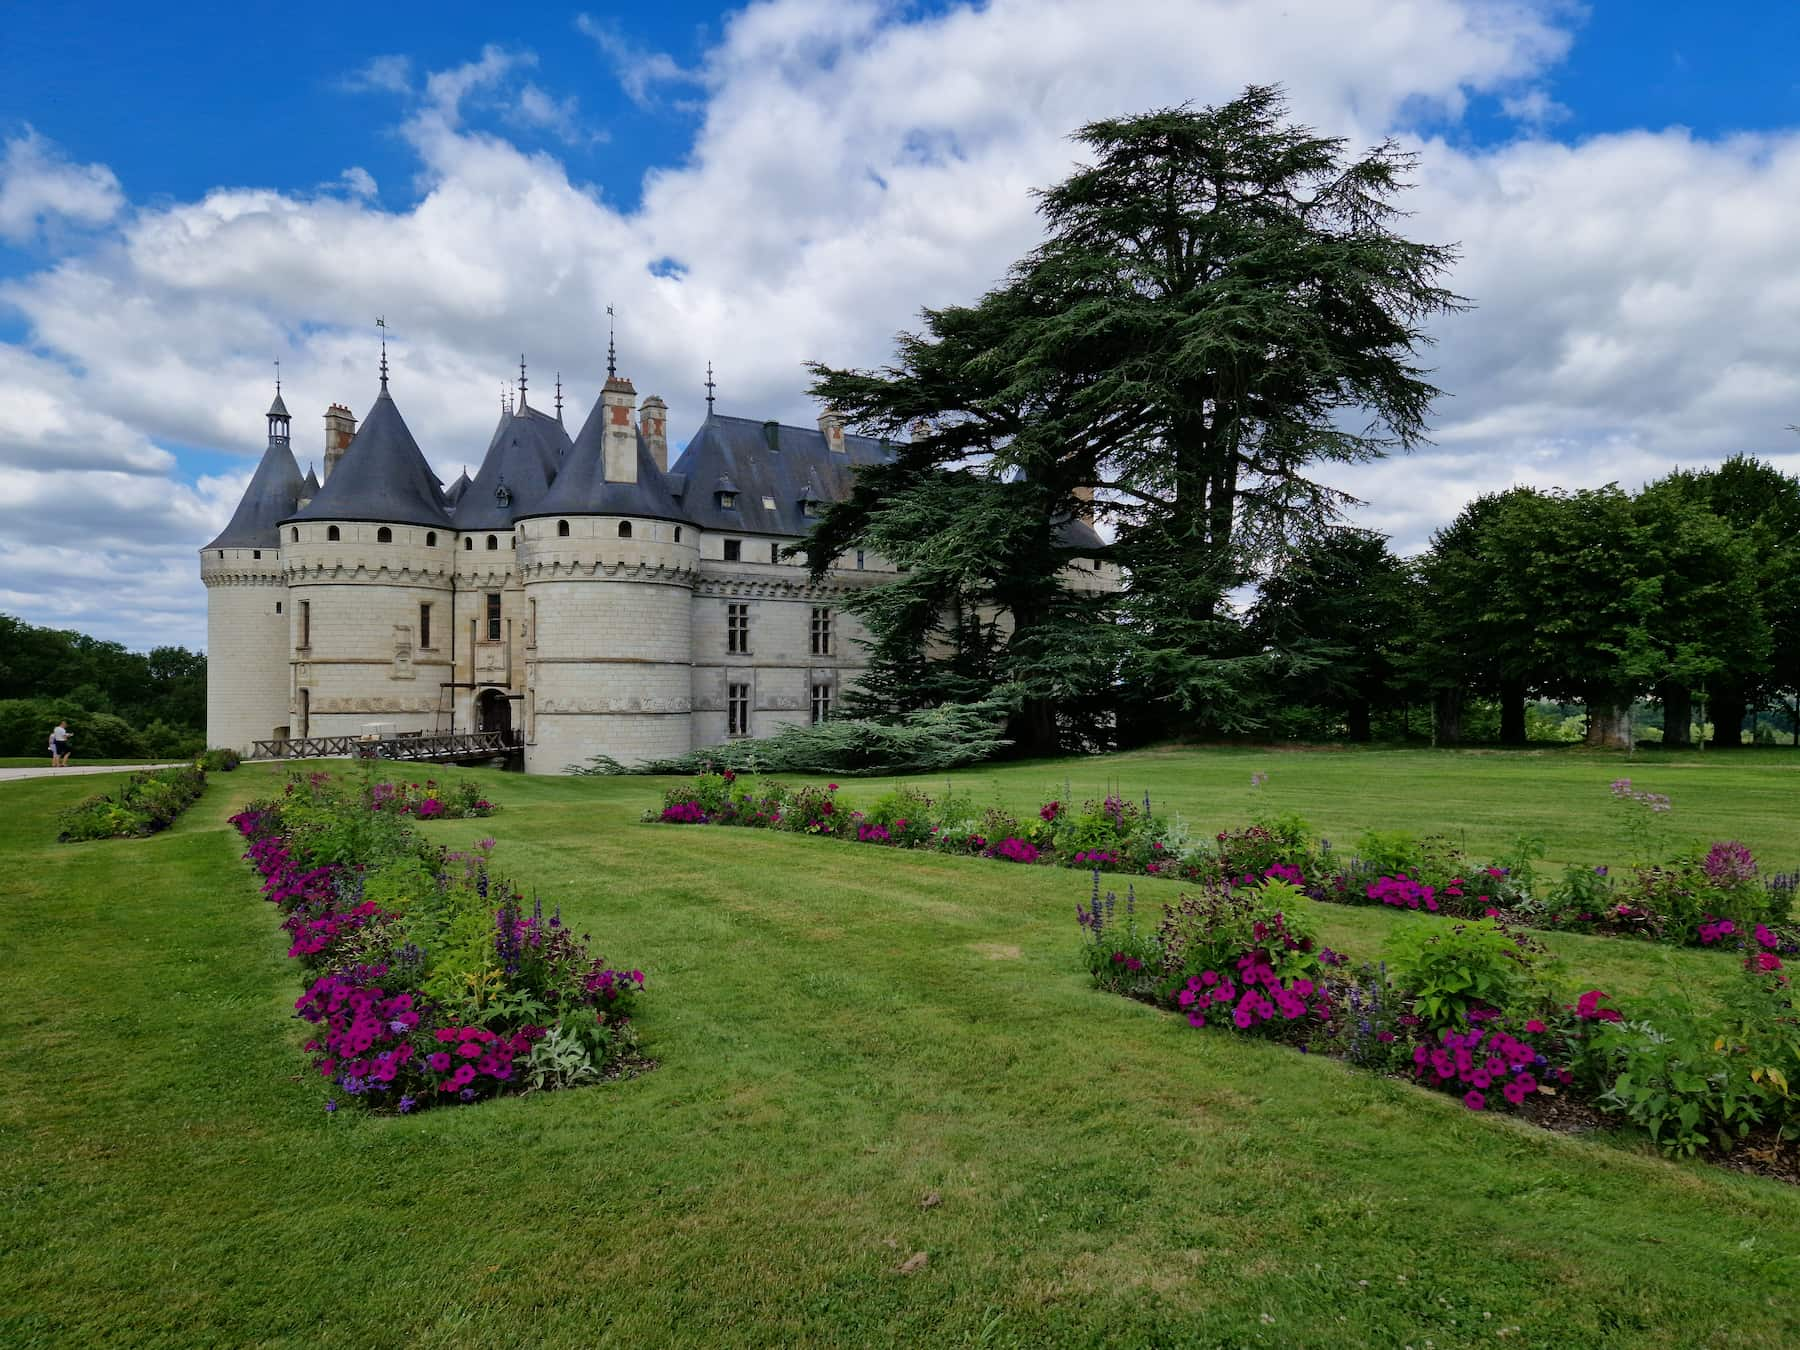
246	602
368	563
608	564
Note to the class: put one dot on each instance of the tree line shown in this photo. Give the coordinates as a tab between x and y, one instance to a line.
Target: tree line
1223	304
120	703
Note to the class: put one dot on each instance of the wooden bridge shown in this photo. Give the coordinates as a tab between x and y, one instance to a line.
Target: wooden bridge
407	747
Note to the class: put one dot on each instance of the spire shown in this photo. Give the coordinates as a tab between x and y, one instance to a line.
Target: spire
710	386
278	414
521	379
612	363
559	396
381	323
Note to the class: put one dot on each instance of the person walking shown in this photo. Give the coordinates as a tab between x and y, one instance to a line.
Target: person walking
59	744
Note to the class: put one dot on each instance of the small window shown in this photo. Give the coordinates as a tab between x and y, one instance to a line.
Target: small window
256	553
624	529
305	623
293	536
727	501
531	633
331	533
278	606
384	535
562	529
493	616
774	550
821	703
494	543
734	550
221	553
468	544
515	541
678	534
424	625
737	628
861	558
431	539
768	503
737	709
821	633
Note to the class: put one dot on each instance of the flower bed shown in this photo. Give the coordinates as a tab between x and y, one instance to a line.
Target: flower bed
428	979
151	800
1688	896
1474	1010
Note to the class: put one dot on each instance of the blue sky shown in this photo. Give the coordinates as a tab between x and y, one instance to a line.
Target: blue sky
188	193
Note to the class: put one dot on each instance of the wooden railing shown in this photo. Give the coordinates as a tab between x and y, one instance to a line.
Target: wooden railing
401	746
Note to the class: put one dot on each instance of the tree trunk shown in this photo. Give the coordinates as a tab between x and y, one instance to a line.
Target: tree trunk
1729	705
1356	716
1448	710
1678	714
1609	724
1512	712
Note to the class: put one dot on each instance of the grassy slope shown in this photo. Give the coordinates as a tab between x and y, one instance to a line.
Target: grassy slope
841	1033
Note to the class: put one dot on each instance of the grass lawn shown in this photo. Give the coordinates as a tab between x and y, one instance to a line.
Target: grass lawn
844	1033
43	761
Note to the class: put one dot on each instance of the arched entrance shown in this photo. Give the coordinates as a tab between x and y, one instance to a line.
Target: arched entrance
493	712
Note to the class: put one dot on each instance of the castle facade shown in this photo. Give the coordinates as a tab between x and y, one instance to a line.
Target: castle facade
582	595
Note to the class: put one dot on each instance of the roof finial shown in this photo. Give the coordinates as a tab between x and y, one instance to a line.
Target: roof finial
521	379
381	323
559	396
278	377
710	386
503	398
612	364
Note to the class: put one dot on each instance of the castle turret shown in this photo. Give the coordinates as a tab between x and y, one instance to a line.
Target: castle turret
368	566
608	561
246	622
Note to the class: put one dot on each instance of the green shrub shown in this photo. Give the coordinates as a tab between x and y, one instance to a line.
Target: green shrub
149	801
220	761
1471	966
1211	930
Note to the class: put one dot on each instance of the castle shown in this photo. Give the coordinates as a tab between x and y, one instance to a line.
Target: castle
580	596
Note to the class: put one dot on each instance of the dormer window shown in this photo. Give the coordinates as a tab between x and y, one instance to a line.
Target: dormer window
502	494
728	501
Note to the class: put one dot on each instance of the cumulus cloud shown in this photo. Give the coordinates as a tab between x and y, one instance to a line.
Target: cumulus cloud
391	74
40	186
851	162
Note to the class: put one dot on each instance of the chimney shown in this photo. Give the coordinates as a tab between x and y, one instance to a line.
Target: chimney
653	421
831	427
340	430
619	448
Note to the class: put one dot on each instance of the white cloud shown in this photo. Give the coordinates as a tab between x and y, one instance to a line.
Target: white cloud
358	181
390	74
1534	107
40	186
1637	294
639	69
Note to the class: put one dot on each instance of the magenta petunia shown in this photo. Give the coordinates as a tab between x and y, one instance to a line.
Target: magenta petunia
1474	1101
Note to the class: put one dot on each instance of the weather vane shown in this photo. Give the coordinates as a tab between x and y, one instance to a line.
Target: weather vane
559	396
521	379
710	386
381	323
612	365
278	377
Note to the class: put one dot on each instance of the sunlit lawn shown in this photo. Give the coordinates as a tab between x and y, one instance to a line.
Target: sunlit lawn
844	1033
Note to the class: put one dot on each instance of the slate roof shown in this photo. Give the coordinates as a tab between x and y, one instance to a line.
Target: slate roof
733	454
581	488
381	477
453	493
274	489
310	488
277	408
525	453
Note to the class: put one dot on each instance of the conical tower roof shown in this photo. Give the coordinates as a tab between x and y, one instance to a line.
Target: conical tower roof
453	493
310	488
275	488
382	476
581	488
523	458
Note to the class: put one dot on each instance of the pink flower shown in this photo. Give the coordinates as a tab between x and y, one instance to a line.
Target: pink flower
1474	1101
1535	1027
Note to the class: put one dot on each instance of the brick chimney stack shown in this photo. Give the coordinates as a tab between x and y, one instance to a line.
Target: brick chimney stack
619	448
340	430
831	427
653	421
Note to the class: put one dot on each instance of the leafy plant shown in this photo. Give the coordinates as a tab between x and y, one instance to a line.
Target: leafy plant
1474	966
